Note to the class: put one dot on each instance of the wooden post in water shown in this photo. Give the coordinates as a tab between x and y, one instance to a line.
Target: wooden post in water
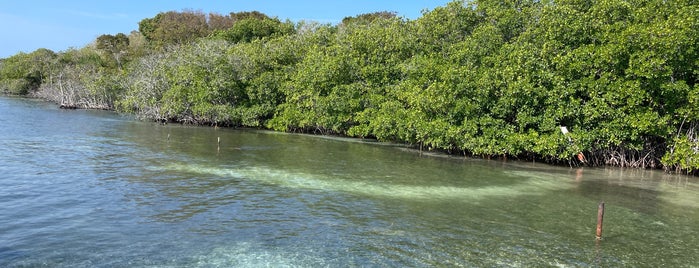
218	143
600	216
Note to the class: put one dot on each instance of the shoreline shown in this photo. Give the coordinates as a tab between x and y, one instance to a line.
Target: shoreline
573	162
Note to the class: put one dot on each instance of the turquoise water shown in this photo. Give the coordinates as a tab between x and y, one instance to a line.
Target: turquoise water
95	189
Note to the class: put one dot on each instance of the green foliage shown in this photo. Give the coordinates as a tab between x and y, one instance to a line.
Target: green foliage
144	85
488	77
316	77
237	16
137	46
113	43
173	27
23	73
368	18
223	22
683	153
211	82
512	18
114	46
193	83
444	26
248	29
81	78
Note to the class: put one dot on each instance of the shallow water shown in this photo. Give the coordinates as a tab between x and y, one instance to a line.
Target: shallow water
93	189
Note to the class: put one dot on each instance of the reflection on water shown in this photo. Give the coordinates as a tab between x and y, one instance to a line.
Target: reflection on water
92	189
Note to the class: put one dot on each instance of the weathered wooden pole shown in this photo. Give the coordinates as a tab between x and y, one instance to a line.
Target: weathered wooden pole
600	216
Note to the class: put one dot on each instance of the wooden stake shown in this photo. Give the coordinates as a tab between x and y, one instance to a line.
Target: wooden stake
600	216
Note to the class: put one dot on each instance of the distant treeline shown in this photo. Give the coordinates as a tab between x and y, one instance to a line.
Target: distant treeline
488	78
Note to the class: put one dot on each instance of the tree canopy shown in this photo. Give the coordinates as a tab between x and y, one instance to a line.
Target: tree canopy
486	78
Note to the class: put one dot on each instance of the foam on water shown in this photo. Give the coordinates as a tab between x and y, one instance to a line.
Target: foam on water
526	184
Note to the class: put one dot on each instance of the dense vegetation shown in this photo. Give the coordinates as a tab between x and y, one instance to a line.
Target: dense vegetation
488	78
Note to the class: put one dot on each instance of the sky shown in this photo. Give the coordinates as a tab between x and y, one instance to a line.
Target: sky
27	25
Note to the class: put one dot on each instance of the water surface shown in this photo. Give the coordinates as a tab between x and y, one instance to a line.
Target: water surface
95	189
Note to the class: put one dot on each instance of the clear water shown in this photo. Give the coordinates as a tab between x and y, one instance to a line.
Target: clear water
93	189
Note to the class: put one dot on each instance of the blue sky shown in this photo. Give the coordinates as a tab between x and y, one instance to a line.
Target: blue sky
26	25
